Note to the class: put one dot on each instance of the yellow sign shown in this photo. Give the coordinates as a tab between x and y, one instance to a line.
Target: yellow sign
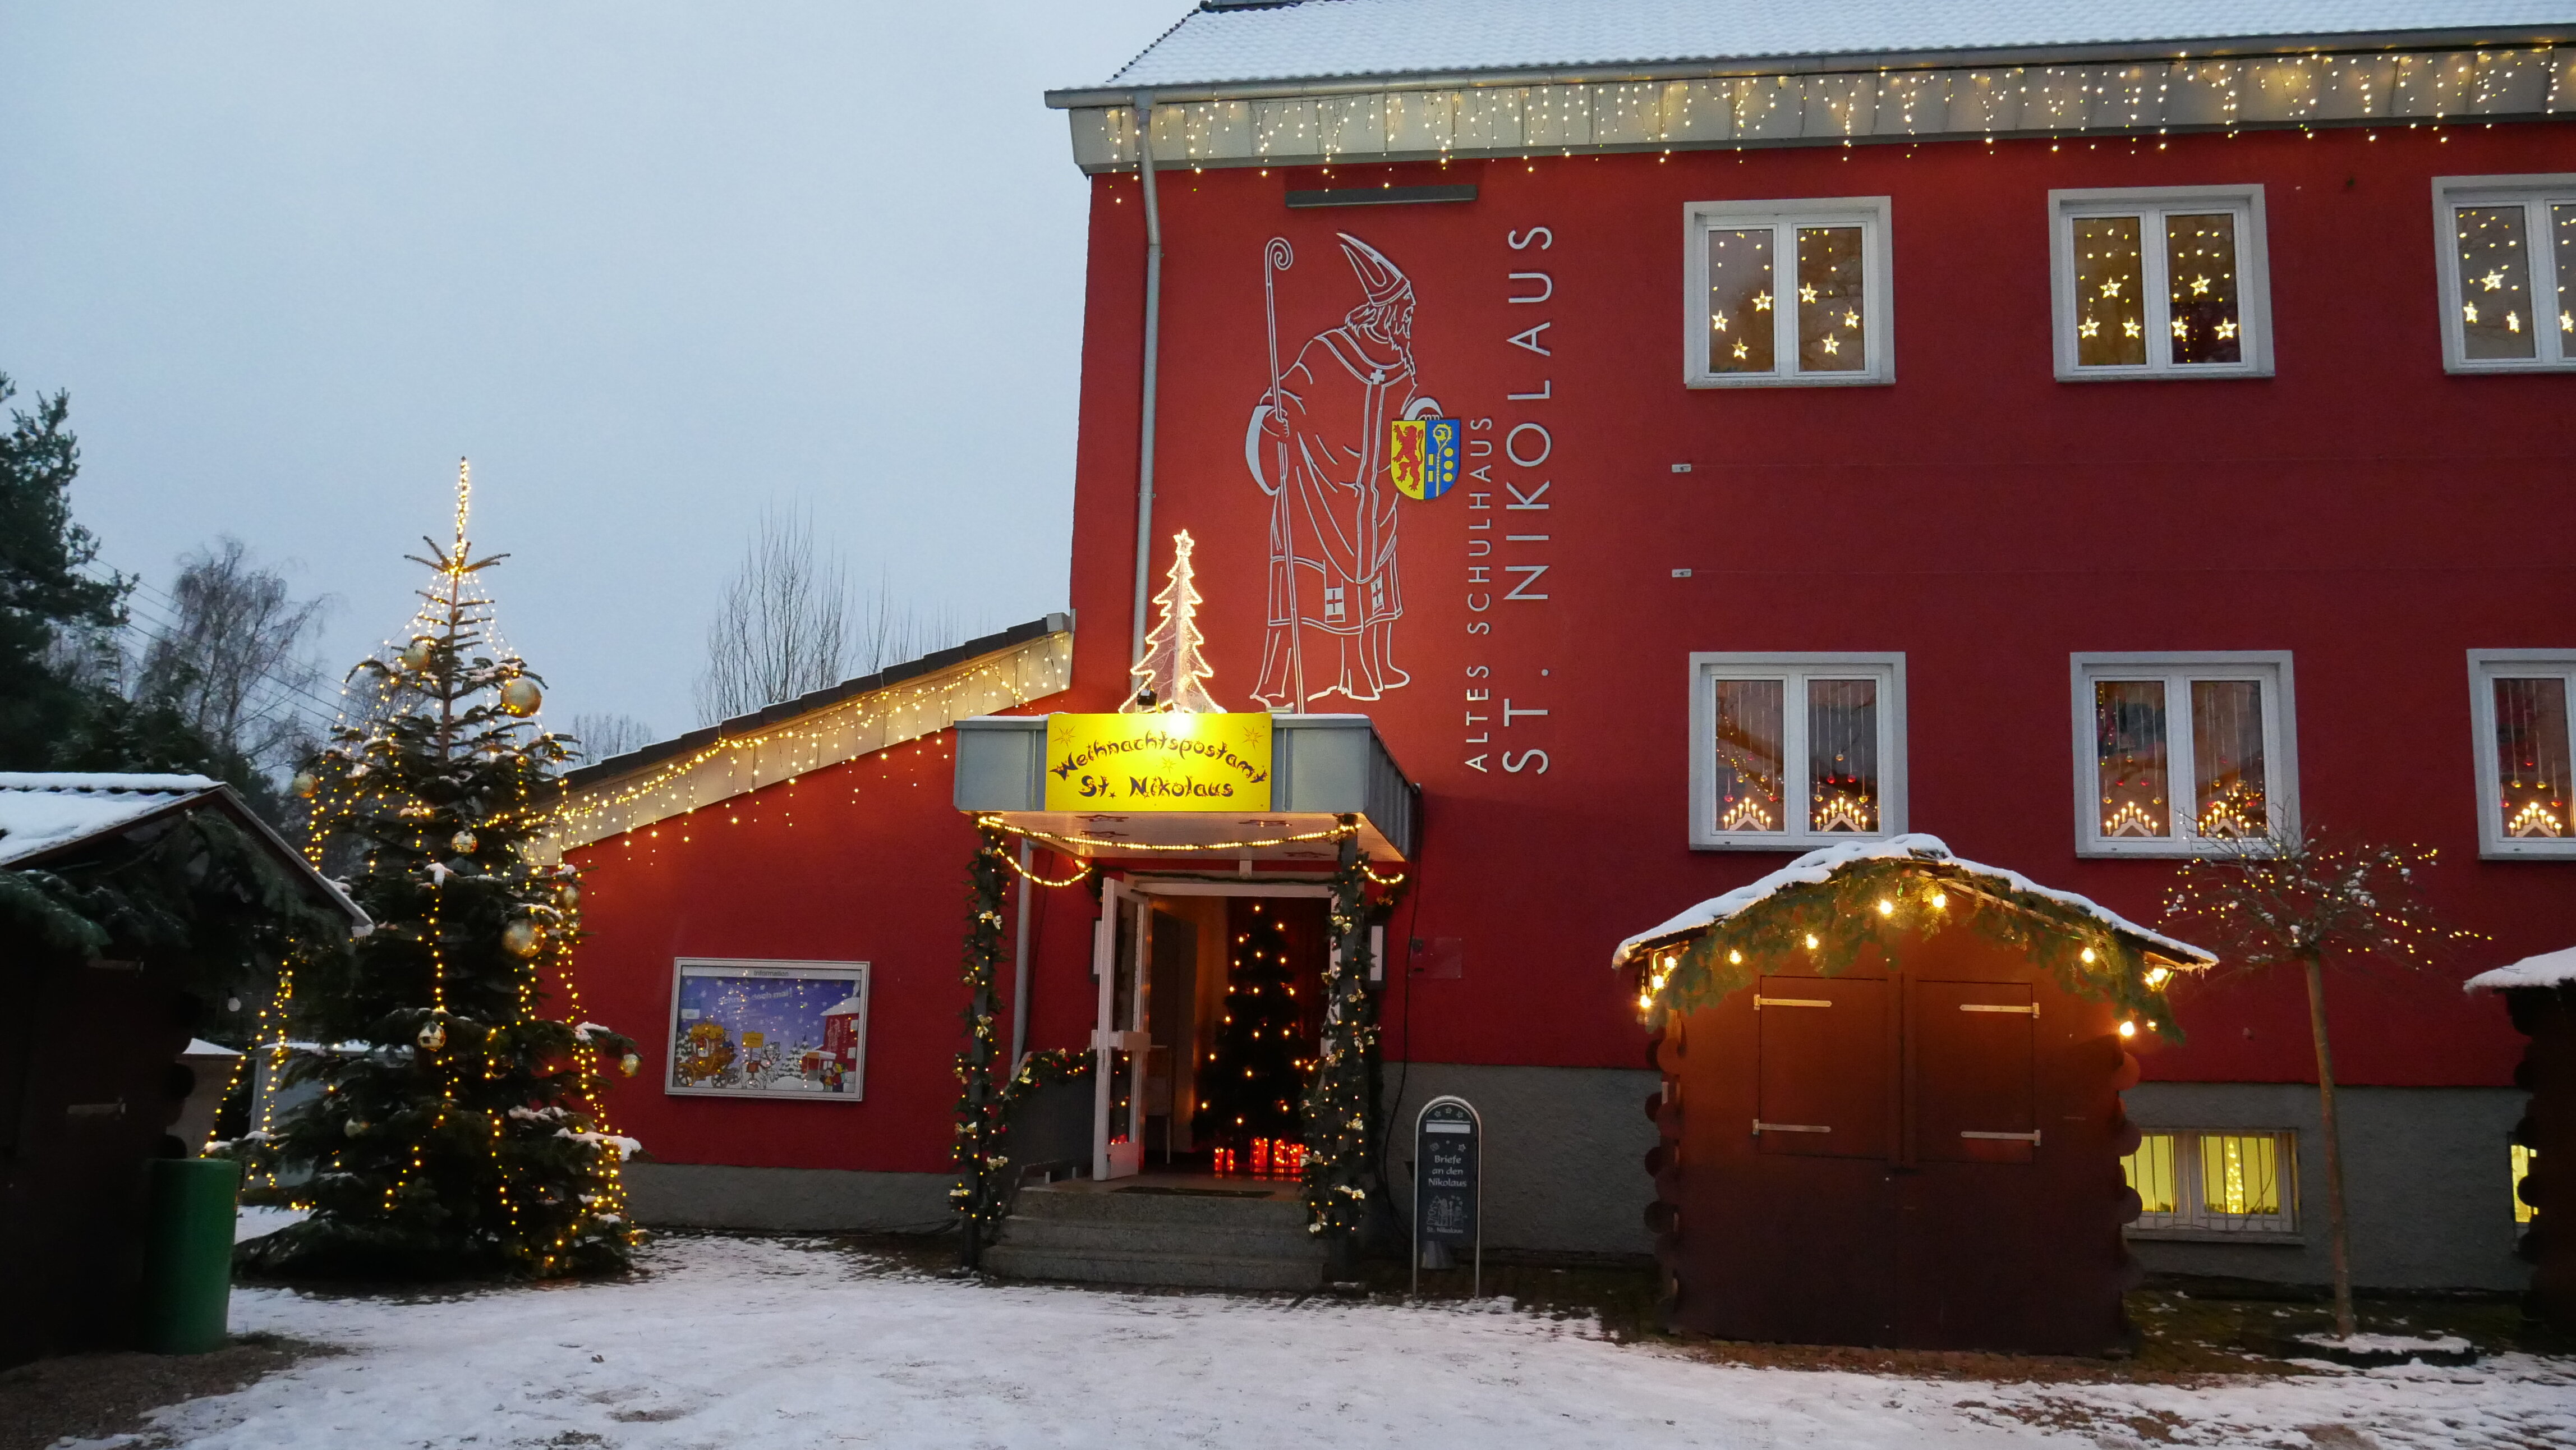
1158	762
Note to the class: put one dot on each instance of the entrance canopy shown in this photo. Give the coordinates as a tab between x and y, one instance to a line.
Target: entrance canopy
1231	786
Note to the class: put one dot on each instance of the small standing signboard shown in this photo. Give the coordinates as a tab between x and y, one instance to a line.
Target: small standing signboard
1448	1179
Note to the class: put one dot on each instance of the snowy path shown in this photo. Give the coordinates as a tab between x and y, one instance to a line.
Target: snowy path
746	1342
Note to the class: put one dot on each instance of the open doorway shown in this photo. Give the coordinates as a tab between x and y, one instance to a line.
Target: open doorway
1212	1008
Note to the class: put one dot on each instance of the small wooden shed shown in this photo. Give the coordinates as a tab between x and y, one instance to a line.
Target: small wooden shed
2540	993
1891	1105
123	898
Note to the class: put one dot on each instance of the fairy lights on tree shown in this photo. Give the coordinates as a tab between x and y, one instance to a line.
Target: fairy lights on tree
1167	676
457	1131
2293	900
1250	1108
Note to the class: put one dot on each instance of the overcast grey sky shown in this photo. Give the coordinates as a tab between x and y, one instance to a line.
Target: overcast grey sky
649	264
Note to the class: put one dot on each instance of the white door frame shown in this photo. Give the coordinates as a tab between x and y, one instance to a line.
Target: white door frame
1109	1038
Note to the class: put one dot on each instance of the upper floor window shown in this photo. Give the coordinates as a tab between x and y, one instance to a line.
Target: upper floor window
2176	754
1790	752
1787	293
2160	282
2508	271
2519	699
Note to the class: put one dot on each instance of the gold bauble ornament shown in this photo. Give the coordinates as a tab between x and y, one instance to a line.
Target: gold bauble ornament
519	939
521	696
305	785
569	895
463	843
629	1063
416	655
433	1035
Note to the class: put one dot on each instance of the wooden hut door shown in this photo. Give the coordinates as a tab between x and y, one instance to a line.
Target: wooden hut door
1825	1059
1972	1053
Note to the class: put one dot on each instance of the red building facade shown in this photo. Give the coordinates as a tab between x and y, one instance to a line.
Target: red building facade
2110	481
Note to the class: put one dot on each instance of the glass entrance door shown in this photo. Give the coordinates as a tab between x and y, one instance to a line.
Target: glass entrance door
1120	1041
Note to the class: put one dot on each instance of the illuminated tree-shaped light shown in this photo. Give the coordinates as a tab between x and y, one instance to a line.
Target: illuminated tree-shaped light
1169	672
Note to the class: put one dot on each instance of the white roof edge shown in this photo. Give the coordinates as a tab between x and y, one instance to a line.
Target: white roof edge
1343	44
1819	866
2549	969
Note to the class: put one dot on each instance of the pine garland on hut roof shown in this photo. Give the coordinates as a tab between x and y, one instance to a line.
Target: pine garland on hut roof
1831	905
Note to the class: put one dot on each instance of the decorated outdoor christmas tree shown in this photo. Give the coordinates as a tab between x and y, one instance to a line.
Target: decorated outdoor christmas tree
1169	672
457	1128
1255	1078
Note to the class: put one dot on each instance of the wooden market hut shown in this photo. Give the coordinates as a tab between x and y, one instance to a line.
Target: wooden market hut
1891	1106
2540	994
124	899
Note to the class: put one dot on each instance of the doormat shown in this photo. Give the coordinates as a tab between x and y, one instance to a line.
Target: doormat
1198	1192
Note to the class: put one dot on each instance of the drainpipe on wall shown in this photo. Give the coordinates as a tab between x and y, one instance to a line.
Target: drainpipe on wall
1143	111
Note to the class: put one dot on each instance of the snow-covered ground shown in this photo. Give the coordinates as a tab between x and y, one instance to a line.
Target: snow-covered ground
733	1342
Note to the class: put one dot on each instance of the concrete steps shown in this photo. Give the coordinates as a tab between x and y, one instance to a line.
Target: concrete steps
1221	1234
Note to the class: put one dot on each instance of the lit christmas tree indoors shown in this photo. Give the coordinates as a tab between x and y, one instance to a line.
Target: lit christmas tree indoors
1250	1096
457	1130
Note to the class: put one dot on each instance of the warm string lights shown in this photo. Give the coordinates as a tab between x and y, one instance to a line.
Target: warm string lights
1874	905
2117	99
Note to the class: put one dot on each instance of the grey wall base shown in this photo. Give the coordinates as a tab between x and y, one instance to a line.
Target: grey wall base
780	1200
2427	1176
1565	1152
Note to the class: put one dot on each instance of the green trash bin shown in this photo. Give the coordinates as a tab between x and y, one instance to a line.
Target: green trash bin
188	1254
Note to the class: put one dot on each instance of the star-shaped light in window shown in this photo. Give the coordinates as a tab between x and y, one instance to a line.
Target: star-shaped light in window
1850	318
2469	310
2181	328
2567	322
1832	345
2513	322
1761	301
2111	287
2090	328
2227	331
2492	280
1740	350
2200	286
2130	328
1806	294
1718	321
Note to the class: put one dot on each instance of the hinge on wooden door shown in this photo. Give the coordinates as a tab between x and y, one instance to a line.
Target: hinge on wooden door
2032	1138
1760	1127
2030	1007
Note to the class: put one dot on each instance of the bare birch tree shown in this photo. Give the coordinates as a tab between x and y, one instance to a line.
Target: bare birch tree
2283	900
783	627
233	658
601	736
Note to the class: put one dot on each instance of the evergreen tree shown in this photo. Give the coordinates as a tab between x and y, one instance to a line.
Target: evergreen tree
51	613
457	1131
1168	676
1255	1079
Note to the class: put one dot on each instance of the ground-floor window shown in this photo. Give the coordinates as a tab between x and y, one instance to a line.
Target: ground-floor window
2223	1180
2522	1157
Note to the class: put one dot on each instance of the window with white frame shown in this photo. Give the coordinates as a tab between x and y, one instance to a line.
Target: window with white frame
1787	293
2216	1180
2160	282
1795	751
2177	754
2519	702
2507	266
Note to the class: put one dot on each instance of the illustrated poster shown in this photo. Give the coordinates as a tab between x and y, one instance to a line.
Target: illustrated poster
769	1029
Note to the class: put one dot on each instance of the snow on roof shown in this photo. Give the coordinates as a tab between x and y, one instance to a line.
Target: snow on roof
1317	39
1816	867
2549	969
40	811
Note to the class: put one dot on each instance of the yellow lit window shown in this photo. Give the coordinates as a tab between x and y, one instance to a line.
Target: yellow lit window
2522	1157
2196	1183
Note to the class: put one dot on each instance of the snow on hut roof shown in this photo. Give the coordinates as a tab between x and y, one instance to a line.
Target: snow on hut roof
1232	43
40	811
2549	969
1819	866
44	812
